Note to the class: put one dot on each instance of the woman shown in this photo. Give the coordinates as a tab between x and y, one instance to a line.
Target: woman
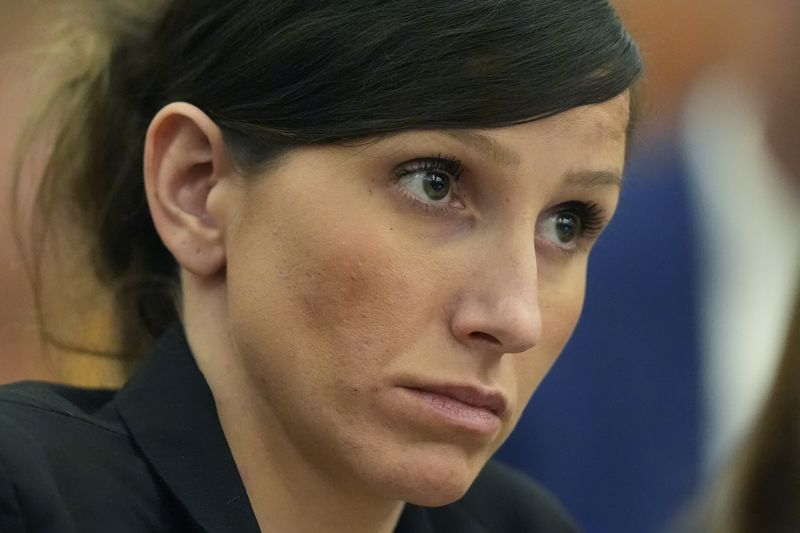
760	492
29	65
361	239
760	488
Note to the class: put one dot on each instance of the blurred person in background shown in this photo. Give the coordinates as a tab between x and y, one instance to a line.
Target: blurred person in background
41	42
709	241
20	345
760	492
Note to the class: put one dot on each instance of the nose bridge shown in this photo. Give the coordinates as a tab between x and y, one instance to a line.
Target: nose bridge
515	287
502	304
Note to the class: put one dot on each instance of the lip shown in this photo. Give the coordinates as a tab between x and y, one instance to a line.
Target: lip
471	395
472	409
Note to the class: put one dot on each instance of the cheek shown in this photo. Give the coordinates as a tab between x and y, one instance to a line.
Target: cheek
560	310
354	294
339	299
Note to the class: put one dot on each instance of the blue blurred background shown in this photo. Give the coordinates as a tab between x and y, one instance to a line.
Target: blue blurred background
688	290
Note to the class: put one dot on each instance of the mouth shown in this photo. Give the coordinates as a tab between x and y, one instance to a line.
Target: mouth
470	395
471	408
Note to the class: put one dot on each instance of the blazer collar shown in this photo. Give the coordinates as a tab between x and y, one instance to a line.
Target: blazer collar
170	412
171	415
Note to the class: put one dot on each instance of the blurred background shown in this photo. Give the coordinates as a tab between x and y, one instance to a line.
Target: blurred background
689	289
42	42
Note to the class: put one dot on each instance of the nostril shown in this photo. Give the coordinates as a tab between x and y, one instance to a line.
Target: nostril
485	337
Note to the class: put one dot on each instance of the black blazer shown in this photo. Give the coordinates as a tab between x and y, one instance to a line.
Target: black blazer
152	458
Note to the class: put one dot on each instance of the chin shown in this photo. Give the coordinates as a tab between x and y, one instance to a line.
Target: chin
436	496
433	479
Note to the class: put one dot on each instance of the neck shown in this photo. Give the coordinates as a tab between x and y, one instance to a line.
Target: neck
289	491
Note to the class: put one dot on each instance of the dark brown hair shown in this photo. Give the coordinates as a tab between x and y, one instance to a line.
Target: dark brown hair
276	74
764	489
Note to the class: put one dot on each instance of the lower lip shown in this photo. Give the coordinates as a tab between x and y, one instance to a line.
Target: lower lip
457	414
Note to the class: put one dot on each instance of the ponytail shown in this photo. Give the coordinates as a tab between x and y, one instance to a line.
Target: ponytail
92	181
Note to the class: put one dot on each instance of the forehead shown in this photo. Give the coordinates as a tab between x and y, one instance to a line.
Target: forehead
585	132
608	120
587	136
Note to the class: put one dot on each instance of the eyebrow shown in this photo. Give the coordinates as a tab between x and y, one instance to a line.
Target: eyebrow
592	178
486	145
504	156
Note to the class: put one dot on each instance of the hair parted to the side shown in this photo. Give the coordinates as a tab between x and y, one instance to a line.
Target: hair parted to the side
275	74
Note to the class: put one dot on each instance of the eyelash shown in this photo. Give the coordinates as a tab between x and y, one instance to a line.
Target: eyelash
450	166
590	214
592	222
592	217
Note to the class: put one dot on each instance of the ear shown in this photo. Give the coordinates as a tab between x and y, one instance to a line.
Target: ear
185	159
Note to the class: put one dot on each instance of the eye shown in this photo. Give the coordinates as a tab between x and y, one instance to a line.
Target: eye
569	224
430	182
436	186
567	227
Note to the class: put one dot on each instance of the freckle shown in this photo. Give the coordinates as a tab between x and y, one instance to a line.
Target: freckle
391	229
507	199
355	389
197	251
370	190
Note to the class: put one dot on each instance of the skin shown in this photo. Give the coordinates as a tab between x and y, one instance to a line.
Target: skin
76	305
757	39
764	49
21	353
317	292
778	59
679	40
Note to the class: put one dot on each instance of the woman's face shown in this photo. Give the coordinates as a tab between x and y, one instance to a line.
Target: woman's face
396	303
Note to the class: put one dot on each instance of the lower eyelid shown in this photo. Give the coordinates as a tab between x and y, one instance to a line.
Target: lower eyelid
429	208
561	250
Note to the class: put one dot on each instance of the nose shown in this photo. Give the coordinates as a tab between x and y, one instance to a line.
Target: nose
499	309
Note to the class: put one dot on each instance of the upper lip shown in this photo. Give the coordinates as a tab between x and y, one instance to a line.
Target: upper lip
475	395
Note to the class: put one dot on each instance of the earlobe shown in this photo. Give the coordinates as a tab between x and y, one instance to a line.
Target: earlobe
185	160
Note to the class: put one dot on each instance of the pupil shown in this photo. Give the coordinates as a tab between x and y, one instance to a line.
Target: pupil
566	226
436	187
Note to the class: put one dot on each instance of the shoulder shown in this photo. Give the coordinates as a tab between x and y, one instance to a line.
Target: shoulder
504	500
32	418
45	410
54	397
24	480
60	451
